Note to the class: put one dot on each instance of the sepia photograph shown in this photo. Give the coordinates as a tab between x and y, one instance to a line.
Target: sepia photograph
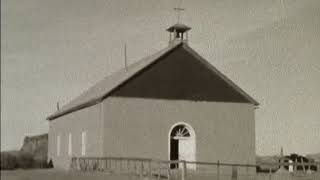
160	90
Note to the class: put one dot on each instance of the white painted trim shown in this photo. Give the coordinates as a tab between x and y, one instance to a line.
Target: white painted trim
192	135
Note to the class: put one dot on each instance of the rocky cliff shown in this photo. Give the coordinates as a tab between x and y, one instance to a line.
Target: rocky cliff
33	154
37	146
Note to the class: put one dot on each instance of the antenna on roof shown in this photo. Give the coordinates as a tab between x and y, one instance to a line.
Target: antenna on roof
58	106
125	56
178	10
178	30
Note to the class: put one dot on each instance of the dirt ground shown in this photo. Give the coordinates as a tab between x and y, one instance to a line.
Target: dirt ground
52	174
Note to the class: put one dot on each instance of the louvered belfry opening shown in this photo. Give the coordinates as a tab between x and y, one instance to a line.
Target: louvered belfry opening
178	32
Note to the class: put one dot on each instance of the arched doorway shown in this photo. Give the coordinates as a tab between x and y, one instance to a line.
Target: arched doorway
182	144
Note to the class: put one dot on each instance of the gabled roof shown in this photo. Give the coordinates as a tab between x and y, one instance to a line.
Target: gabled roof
105	87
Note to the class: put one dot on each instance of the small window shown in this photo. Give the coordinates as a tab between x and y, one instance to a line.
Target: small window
83	143
58	145
70	145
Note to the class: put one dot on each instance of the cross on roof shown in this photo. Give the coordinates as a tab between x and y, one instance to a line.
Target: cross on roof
178	10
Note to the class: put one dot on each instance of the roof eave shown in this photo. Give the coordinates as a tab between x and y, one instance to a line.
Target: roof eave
75	108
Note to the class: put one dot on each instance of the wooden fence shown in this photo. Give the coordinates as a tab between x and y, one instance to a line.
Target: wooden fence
141	167
160	169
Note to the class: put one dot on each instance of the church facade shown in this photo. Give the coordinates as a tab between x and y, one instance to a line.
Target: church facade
173	105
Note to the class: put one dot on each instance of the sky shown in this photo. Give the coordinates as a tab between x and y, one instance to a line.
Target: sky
51	51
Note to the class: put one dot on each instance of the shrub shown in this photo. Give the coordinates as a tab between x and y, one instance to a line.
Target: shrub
50	164
8	161
25	161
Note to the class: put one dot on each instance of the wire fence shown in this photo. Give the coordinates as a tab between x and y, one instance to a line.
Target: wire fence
143	168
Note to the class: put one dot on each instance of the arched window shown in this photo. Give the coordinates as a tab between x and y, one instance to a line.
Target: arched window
182	144
180	131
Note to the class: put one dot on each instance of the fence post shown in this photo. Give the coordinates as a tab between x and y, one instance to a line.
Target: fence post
107	164
134	167
149	167
128	168
168	172
159	170
218	170
270	171
234	175
141	169
303	167
110	165
309	169
247	170
184	168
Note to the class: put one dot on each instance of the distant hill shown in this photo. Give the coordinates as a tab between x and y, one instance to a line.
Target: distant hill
315	156
267	159
33	154
276	158
261	160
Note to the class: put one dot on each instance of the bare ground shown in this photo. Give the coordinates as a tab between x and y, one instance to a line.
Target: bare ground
53	174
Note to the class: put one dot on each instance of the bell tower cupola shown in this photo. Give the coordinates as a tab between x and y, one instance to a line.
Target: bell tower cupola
178	31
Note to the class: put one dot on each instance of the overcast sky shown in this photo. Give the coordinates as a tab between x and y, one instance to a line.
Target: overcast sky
54	50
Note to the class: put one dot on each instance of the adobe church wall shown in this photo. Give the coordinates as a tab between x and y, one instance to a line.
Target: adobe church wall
136	127
88	120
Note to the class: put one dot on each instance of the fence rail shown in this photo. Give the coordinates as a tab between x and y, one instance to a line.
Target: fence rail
162	169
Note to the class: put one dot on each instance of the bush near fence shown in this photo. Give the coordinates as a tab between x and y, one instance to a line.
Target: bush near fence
22	160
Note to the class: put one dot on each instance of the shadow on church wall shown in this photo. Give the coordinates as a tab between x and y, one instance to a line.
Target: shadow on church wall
179	76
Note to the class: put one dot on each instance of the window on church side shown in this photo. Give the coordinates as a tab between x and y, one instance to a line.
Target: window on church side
58	145
83	143
70	145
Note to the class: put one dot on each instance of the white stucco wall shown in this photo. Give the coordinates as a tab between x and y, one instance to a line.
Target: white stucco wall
136	127
139	128
89	120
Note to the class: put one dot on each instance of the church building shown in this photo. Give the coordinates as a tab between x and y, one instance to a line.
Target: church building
172	105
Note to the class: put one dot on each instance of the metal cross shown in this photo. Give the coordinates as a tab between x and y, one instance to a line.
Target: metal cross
178	10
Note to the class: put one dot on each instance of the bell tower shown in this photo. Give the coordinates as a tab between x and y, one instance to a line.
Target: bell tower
178	32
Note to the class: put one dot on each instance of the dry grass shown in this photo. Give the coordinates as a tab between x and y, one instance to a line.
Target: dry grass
53	174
